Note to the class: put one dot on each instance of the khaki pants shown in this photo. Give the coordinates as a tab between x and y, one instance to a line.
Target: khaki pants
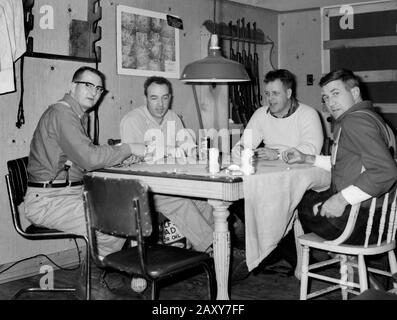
63	209
192	217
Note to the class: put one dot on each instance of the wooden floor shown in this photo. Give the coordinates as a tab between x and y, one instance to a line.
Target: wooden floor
257	286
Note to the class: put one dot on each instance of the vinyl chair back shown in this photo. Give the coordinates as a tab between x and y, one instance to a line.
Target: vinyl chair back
120	207
116	207
352	256
16	181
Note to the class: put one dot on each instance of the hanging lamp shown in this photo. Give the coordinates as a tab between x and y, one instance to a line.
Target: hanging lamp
214	68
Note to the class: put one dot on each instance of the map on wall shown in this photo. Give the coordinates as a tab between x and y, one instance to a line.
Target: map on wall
146	44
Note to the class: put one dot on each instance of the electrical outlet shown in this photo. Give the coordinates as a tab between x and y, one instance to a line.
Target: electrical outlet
309	79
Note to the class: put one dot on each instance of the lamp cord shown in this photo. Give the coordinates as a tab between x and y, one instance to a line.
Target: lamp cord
214	31
52	261
200	118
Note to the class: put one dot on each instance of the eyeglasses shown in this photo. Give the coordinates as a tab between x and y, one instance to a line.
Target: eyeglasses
91	86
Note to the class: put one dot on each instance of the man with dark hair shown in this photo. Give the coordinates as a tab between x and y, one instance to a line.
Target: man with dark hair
283	123
361	164
80	72
61	152
160	81
161	133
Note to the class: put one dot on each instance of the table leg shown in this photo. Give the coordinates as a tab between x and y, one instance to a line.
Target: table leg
221	246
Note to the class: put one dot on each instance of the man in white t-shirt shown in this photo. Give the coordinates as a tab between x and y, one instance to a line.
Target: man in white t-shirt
283	123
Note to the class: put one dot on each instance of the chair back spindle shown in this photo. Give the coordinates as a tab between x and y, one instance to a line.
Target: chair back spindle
370	222
393	218
383	218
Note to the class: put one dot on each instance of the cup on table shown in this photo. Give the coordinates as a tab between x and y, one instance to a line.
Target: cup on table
247	161
213	165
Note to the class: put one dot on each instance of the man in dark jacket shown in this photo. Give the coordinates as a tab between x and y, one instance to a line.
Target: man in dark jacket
361	164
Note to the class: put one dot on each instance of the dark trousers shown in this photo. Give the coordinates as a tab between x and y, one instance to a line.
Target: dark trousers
331	228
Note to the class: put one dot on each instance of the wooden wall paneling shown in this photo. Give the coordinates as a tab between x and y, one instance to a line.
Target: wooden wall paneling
367	47
325	54
377	75
46	80
358	43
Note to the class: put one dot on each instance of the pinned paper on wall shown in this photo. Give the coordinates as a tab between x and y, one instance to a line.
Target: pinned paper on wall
146	44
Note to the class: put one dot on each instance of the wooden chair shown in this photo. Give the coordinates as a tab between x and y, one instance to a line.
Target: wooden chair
345	253
16	181
120	207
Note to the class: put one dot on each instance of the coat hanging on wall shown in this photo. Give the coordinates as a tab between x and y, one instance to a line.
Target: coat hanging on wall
12	41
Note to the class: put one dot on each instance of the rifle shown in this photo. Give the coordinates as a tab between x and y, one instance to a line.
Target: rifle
251	88
256	71
254	80
246	87
232	88
240	88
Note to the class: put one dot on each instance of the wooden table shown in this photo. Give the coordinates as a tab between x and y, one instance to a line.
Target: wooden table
193	180
271	195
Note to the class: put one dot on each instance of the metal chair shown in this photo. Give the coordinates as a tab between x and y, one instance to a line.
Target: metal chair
16	181
351	256
120	207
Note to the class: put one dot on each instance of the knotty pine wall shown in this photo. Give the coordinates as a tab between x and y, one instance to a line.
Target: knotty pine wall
47	80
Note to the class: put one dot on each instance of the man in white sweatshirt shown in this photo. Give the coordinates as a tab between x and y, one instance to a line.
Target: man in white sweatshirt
282	123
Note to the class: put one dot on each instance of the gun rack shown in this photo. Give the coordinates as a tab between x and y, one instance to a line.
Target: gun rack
239	32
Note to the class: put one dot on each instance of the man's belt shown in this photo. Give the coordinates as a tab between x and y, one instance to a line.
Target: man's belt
54	185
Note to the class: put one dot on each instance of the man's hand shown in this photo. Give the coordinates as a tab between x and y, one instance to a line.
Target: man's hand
334	206
293	155
267	153
131	160
236	153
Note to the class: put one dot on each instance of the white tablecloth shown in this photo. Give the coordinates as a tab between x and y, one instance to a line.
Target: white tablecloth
271	196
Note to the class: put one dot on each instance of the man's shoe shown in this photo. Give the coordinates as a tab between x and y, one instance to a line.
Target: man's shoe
239	269
281	267
99	286
116	281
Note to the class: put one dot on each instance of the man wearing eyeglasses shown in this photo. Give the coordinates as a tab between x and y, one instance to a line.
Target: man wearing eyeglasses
61	152
150	126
